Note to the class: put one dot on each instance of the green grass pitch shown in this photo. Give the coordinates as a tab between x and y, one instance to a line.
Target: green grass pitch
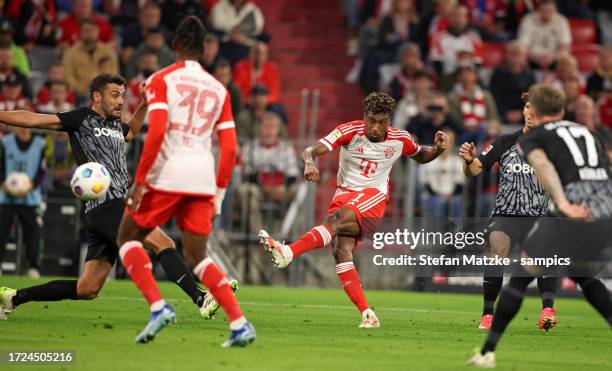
303	329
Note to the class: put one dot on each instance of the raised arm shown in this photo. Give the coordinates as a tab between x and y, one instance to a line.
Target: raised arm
428	154
31	120
471	165
549	179
137	119
311	173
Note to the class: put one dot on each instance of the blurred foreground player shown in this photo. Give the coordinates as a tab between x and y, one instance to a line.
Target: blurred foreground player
368	150
176	177
98	134
573	168
520	200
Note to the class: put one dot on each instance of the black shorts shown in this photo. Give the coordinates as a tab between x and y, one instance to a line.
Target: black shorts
516	227
102	227
584	243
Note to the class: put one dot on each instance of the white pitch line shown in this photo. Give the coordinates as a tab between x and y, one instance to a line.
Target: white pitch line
327	306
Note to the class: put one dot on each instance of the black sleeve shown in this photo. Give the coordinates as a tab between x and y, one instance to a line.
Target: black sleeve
71	120
125	128
493	153
2	168
530	141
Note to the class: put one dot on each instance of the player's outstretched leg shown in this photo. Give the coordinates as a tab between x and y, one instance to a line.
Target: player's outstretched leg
243	333
138	266
493	277
347	273
282	255
547	285
510	302
597	295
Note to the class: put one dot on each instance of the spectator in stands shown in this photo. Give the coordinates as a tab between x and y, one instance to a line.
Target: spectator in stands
270	171
571	88
134	34
7	70
603	13
22	152
445	44
71	25
472	105
81	60
546	35
566	67
509	81
58	102
35	22
604	108
56	72
258	70
576	9
249	118
147	65
241	22
12	97
154	41
436	117
601	78
173	12
465	55
586	115
440	18
210	55
489	17
411	63
397	27
443	181
415	100
20	58
223	73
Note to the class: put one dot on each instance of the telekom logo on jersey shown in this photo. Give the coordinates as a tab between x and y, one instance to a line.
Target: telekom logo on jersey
368	167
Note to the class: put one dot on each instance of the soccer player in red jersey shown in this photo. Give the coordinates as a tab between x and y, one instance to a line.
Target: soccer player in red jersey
368	149
176	177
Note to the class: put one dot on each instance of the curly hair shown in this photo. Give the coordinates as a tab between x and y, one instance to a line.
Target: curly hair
379	103
189	36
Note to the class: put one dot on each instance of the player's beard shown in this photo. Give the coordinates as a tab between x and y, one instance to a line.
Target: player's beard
110	112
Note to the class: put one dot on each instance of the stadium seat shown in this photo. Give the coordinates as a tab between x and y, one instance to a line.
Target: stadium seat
587	56
583	31
492	54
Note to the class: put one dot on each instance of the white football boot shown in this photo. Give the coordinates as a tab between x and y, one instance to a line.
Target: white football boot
369	319
281	254
482	361
6	302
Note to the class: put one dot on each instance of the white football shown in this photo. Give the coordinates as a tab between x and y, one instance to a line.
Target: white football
17	184
90	181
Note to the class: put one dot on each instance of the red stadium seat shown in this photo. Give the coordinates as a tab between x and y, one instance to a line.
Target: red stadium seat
587	56
583	31
492	54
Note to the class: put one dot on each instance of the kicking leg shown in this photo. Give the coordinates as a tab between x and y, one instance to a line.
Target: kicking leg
493	277
597	295
138	266
547	285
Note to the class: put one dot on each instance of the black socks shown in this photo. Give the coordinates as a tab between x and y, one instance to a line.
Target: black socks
179	273
548	290
50	291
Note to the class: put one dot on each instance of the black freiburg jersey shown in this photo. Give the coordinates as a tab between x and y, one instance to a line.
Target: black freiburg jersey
519	192
580	160
95	139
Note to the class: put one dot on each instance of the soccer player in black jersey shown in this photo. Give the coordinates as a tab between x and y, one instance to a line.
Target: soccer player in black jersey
520	199
574	169
97	134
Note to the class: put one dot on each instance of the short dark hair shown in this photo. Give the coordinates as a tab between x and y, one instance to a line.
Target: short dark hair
379	103
546	100
189	36
58	82
525	97
99	82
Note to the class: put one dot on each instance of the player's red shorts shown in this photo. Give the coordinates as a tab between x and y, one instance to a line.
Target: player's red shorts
193	213
368	204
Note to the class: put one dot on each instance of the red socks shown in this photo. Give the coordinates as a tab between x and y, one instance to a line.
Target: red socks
317	237
352	284
138	266
216	282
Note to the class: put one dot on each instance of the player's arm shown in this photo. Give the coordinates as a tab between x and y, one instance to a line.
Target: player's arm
311	172
228	147
137	120
31	120
471	163
427	154
549	179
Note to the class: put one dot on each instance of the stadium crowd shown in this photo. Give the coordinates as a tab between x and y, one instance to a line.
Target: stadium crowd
453	65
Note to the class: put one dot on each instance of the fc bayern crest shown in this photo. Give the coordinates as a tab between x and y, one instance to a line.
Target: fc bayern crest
389	152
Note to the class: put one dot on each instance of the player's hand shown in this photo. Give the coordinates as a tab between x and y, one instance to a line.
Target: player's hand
311	173
219	196
134	197
574	211
440	141
143	92
467	151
